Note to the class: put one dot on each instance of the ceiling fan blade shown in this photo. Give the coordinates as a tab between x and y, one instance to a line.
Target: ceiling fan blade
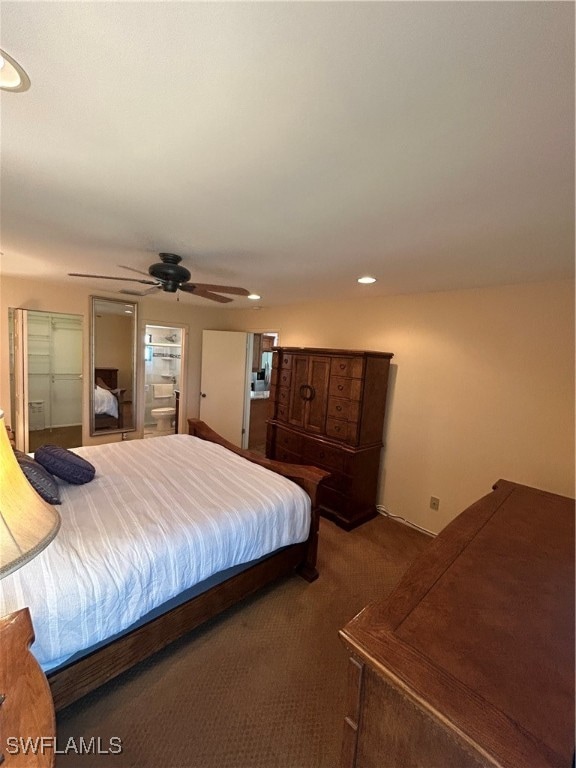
191	288
139	293
131	269
223	289
109	277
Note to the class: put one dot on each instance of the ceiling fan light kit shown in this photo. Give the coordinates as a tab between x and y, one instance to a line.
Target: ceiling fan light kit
169	272
170	277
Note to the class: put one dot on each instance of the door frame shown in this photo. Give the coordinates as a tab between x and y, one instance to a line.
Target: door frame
20	415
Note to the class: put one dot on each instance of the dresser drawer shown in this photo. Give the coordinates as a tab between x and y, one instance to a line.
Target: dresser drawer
353	710
321	455
284	377
351	367
282	454
291	441
283	396
285	361
338	482
279	405
333	500
341	387
338	408
342	430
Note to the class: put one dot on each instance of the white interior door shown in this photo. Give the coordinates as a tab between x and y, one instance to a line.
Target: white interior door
225	383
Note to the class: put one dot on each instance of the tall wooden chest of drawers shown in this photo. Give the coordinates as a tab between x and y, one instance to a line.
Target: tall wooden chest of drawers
470	662
328	408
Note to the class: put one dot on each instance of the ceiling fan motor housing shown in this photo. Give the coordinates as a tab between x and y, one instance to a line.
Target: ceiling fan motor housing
169	272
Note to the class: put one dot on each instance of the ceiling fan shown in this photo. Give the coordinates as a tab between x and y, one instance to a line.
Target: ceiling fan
169	276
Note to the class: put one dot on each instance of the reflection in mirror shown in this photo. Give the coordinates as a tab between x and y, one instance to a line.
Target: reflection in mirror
113	391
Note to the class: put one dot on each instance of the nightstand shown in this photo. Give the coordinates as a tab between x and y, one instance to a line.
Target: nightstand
27	712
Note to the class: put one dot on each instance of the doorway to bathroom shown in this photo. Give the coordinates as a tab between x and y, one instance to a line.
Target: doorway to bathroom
163	379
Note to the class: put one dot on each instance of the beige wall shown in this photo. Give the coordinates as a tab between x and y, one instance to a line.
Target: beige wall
482	387
482	384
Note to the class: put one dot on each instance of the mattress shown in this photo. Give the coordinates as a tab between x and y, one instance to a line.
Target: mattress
160	516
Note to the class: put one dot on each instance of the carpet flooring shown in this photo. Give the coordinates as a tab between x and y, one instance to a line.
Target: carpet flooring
261	686
66	437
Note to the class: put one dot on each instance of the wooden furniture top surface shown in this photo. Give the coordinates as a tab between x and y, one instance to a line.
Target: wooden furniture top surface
338	352
27	710
481	627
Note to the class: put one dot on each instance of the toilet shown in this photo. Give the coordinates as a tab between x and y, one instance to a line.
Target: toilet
163	418
163	415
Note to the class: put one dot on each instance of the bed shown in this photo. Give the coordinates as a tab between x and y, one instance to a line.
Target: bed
169	533
108	399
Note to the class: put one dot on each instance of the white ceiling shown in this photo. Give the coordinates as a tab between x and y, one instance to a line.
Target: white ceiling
290	147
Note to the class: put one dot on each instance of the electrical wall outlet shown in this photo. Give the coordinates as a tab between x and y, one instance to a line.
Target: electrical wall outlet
434	502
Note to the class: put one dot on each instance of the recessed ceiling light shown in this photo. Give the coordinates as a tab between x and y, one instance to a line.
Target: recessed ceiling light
254	297
12	76
366	280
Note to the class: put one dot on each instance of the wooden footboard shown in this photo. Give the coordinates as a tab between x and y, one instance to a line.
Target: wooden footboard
80	677
307	477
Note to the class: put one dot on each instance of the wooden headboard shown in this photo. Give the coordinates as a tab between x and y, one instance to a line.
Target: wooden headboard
108	375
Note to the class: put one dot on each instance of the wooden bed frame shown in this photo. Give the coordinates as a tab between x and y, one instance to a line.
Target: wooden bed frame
78	678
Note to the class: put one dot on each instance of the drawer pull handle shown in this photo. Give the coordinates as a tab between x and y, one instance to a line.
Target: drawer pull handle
338	407
340	387
342	366
307	392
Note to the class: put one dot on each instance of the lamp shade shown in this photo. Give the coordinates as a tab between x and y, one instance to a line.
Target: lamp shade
27	522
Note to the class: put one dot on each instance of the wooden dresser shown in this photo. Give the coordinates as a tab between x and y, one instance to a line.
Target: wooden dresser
470	662
328	409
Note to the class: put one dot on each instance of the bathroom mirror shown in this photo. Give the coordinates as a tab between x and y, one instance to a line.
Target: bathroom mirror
113	366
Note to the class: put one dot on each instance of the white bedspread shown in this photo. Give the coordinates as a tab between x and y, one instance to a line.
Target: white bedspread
105	402
160	516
